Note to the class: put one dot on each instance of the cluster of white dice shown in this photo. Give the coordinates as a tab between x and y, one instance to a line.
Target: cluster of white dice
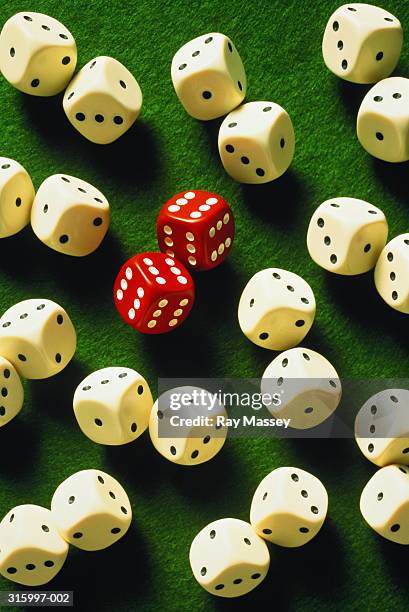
256	140
382	434
114	406
38	56
229	557
362	44
89	510
37	340
276	311
348	236
67	214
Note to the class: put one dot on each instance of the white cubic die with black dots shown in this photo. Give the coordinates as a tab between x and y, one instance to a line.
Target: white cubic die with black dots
384	503
103	100
383	120
307	384
69	215
113	405
392	273
16	197
347	235
276	309
208	76
362	43
256	142
289	507
228	558
176	432
11	390
38	54
37	337
91	510
382	427
32	550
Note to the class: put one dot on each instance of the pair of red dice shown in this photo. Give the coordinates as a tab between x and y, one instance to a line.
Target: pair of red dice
154	292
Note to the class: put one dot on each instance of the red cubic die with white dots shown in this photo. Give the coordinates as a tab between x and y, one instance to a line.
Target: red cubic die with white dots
197	227
153	293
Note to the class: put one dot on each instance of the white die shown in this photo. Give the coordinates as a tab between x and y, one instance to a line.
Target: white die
289	507
188	442
392	273
384	503
37	337
38	54
208	76
11	390
347	235
112	405
91	510
362	43
32	550
70	215
276	309
228	558
382	427
103	100
307	384
383	120
256	142
16	197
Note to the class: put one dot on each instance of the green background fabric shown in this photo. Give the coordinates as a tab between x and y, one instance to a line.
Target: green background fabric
347	567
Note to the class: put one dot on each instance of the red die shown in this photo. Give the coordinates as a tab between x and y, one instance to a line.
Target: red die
197	227
153	293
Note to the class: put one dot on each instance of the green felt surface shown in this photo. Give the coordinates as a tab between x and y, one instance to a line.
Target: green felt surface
347	567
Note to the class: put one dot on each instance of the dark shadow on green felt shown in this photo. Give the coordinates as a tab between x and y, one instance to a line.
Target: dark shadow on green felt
351	96
199	484
211	132
19	448
90	278
125	566
55	395
280	203
133	158
395	178
394	556
302	564
189	348
358	298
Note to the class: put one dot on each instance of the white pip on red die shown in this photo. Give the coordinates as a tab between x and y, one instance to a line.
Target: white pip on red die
153	293
197	227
